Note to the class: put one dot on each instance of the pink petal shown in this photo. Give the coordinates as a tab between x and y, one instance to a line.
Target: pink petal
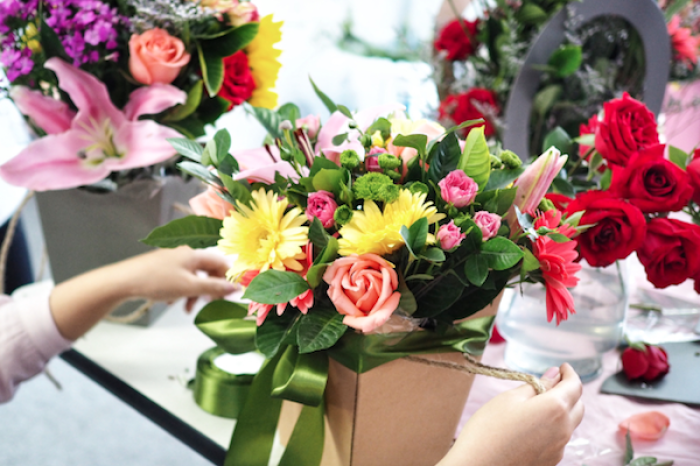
336	124
267	174
151	100
52	163
88	93
364	118
51	115
143	143
257	158
650	425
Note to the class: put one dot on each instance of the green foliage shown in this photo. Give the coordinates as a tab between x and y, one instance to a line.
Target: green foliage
195	232
317	234
501	253
190	149
274	287
501	178
330	105
321	163
476	268
415	236
273	332
416	141
678	157
369	186
445	159
475	160
437	295
194	98
560	139
343	214
269	119
320	329
566	60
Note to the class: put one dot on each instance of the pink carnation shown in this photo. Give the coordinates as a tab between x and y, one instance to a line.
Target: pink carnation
458	189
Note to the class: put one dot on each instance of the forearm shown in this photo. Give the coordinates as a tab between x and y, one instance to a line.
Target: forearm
79	303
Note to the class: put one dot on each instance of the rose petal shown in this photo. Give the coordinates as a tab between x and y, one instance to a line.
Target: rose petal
650	425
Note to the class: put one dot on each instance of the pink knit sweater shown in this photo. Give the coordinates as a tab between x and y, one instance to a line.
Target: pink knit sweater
28	339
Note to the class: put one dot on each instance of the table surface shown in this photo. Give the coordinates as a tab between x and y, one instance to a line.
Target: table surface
149	368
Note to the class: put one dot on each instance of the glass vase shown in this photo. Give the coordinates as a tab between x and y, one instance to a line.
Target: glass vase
534	345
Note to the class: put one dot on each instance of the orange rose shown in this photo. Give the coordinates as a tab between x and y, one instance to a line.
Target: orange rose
156	57
363	289
209	204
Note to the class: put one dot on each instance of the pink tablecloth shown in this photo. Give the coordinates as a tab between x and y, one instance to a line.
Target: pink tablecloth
597	442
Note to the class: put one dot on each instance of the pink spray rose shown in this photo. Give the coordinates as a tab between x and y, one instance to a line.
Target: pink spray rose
209	204
311	123
156	57
364	289
458	189
488	223
450	236
322	206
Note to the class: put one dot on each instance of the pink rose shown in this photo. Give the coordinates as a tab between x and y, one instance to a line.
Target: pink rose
450	236
310	123
243	13
458	189
156	57
363	289
372	160
210	204
488	223
322	206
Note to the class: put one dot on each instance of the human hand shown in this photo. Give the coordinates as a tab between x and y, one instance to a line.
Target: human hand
521	428
170	274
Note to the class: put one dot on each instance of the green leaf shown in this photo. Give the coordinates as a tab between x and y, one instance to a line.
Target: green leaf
210	153
559	139
322	162
327	255
274	287
558	237
566	60
499	201
544	100
273	331
446	158
328	180
212	70
190	149
415	236
200	172
678	156
320	329
606	179
231	42
228	165
180	112
475	160
51	43
463	125
268	118
344	110
407	303
382	125
223	144
529	13
629	451
439	295
476	269
195	232
564	187
434	255
643	461
237	190
585	140
501	253
502	178
330	105
416	141
289	112
338	139
530	262
317	234
674	8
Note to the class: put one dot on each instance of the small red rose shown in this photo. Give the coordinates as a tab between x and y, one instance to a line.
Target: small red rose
238	84
648	364
627	126
670	252
457	42
471	105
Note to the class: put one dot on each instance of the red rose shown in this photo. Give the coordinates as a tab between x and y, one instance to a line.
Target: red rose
457	42
618	227
693	170
648	364
474	104
238	83
627	126
652	183
670	253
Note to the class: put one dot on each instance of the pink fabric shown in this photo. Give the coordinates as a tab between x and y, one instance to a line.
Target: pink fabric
597	441
28	339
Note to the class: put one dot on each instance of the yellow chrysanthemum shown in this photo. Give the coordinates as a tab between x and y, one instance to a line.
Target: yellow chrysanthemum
263	236
371	231
263	62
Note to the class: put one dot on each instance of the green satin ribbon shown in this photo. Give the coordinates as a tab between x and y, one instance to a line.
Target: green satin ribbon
217	391
302	378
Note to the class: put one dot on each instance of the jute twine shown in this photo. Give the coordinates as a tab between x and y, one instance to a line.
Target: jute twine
11	228
475	367
132	316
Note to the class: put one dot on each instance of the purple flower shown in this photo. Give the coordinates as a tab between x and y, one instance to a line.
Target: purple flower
17	62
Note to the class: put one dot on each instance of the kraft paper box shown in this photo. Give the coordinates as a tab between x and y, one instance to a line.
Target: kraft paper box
400	413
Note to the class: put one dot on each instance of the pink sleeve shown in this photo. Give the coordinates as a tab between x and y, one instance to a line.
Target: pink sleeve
28	339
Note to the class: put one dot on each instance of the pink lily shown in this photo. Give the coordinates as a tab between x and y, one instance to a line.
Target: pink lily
83	147
534	182
338	124
261	165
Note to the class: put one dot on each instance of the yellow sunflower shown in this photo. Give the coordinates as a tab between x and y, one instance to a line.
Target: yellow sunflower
373	231
264	236
263	62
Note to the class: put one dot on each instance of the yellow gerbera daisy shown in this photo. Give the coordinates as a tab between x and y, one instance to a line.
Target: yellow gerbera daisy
263	62
263	236
371	231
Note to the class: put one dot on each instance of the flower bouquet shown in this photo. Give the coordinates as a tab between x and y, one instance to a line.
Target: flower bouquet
103	84
362	242
477	62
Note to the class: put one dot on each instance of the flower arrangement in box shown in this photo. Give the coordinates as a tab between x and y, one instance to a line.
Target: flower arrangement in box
369	238
476	63
104	83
